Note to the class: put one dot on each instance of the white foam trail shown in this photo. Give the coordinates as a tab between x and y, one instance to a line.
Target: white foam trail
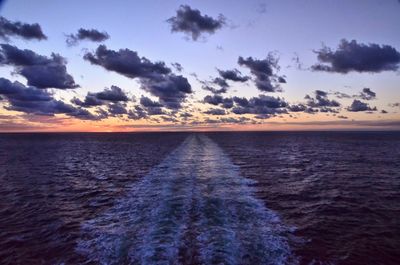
193	208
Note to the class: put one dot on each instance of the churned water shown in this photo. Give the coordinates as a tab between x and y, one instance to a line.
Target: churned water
200	198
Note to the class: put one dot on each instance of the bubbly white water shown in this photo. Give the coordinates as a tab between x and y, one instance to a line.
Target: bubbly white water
193	208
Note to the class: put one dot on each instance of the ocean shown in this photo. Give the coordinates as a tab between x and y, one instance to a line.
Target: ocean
200	198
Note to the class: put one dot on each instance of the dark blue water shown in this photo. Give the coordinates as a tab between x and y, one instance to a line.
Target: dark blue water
200	198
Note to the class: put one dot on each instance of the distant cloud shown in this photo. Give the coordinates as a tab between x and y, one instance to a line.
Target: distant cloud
117	109
213	100
321	100
215	112
137	113
170	89
90	101
126	62
178	67
19	29
155	78
341	95
233	75
297	108
353	56
220	82
358	105
262	105
367	94
87	34
215	90
394	105
147	102
113	94
264	72
39	70
262	8
193	23
32	100
152	107
108	95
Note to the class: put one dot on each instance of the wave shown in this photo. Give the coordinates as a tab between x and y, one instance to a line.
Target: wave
193	208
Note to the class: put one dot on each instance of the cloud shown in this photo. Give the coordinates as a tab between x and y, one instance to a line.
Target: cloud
215	90
108	95
19	29
40	71
233	75
155	78
137	113
113	94
152	107
87	34
297	108
178	67
147	102
215	112
341	95
228	120
358	105
126	62
353	56
265	105
394	105
367	94
220	82
170	89
117	109
192	23
90	101
213	100
321	100
37	101
264	72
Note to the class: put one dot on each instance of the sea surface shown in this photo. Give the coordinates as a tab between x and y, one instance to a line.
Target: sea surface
200	198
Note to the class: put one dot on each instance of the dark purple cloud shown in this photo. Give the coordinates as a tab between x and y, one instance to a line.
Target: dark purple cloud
137	113
215	112
264	72
358	105
233	75
353	56
213	100
151	107
260	105
117	109
87	34
32	100
367	94
108	95
19	29
214	90
40	71
192	23
126	62
155	78
321	100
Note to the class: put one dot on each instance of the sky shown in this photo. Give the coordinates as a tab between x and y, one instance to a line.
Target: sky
199	65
